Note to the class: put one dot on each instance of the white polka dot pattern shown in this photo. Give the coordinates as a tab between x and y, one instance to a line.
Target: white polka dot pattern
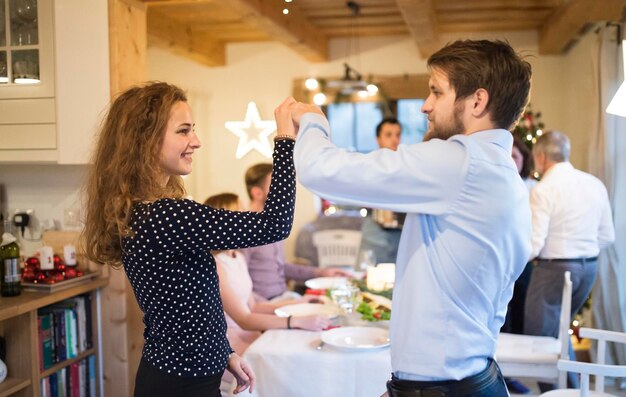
173	274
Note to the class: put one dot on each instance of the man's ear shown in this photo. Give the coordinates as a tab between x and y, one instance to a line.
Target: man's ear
480	102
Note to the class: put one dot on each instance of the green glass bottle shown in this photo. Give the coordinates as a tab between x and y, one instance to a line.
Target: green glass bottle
10	269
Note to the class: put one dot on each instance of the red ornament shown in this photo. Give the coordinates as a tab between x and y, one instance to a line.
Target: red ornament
49	280
39	277
57	260
79	273
57	276
28	274
70	272
33	262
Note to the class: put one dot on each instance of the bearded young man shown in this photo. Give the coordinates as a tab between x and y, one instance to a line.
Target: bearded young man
466	237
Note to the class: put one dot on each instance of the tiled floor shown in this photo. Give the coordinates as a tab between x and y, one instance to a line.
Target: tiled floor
532	384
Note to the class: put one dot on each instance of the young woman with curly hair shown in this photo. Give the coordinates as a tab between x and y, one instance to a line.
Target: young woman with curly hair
138	219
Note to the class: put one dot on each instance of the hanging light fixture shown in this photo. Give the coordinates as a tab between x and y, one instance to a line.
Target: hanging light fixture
352	81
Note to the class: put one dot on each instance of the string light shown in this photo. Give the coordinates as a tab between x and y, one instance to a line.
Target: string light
372	89
311	84
285	11
319	99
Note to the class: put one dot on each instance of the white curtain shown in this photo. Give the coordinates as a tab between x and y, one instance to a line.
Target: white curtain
607	142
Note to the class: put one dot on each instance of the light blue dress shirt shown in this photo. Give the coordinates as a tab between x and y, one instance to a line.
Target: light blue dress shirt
465	240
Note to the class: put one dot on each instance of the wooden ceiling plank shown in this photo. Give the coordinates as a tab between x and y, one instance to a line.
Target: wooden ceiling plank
462	5
293	29
566	21
488	16
179	38
362	21
493	26
419	16
342	11
161	3
346	31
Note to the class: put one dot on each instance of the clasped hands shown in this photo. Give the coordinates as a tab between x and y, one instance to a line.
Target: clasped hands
289	113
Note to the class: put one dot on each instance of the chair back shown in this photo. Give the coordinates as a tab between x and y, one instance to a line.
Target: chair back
337	247
564	324
599	369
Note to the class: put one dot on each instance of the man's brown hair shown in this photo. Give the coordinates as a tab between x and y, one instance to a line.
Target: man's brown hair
493	66
255	176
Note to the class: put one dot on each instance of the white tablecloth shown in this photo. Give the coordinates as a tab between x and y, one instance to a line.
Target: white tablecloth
287	364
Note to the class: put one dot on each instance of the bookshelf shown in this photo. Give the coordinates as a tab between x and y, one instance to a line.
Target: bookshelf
18	325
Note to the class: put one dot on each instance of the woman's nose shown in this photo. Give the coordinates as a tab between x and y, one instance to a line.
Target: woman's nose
195	141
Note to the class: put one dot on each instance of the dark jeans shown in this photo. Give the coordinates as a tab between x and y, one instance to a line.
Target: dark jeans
488	383
150	382
543	301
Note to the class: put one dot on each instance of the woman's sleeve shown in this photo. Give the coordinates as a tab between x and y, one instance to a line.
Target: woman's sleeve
175	225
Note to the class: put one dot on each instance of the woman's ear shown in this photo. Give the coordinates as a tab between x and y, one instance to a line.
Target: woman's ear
256	193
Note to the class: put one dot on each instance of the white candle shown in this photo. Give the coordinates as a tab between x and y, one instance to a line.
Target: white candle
381	277
46	258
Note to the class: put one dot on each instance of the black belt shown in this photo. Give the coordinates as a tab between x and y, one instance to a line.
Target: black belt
464	387
576	260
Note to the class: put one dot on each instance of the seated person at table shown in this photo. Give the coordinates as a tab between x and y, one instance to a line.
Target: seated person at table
266	264
244	316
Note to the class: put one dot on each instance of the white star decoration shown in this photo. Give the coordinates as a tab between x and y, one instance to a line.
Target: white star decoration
252	124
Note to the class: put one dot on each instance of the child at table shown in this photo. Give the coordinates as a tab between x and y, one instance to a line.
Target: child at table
246	316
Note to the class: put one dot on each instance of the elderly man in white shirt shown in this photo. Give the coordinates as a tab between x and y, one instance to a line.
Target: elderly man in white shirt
466	237
572	222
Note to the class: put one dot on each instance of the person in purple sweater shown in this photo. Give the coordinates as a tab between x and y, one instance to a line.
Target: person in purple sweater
268	268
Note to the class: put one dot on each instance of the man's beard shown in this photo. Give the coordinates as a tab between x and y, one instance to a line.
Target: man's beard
455	127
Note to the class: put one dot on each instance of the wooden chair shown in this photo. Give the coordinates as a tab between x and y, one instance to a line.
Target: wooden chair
537	356
599	369
337	247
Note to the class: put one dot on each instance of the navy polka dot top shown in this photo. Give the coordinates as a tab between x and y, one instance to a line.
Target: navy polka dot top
173	274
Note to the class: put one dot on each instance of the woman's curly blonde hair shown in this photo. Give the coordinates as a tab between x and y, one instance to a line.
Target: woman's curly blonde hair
126	167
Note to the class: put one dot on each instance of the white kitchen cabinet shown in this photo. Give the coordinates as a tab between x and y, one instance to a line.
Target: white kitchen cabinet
55	120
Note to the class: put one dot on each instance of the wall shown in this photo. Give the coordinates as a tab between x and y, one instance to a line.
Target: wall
263	73
48	189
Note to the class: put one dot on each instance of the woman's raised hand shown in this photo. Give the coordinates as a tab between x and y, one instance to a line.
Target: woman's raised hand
289	113
282	114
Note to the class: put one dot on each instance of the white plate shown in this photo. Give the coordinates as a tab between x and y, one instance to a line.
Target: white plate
308	309
325	282
356	338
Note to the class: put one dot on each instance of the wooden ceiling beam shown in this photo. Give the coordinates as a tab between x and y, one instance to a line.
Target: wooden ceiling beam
565	23
293	29
419	16
179	38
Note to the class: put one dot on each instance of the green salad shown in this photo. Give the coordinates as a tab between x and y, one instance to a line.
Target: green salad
372	311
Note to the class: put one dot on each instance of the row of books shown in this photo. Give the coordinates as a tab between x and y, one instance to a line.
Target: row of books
64	330
76	380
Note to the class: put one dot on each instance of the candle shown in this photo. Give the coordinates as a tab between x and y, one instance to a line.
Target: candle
381	277
46	258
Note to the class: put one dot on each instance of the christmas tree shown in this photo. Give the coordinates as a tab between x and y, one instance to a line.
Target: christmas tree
529	126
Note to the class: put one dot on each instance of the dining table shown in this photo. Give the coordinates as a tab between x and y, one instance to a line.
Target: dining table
295	363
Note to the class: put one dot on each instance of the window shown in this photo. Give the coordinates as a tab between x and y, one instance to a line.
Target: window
353	124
